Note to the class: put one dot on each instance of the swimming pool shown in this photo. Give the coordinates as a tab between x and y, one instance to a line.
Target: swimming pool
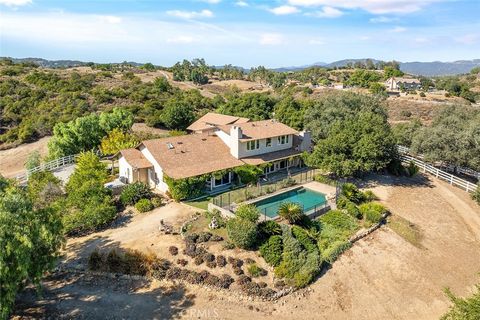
307	198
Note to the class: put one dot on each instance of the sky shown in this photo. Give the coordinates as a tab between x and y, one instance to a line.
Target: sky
272	33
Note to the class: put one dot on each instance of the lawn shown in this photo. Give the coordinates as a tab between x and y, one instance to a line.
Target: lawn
201	203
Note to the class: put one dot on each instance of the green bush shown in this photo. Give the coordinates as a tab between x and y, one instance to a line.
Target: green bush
412	169
157	202
338	220
290	211
352	193
132	193
218	216
187	188
242	232
369	196
255	271
372	211
268	228
305	240
272	250
248	174
353	210
325	180
331	253
248	211
476	194
144	205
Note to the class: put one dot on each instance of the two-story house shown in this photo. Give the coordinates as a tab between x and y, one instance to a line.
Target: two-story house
395	83
214	149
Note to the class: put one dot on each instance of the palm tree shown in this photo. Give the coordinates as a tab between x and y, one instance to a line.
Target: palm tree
290	211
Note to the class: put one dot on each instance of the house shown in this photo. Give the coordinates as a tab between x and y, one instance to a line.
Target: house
212	149
211	120
395	83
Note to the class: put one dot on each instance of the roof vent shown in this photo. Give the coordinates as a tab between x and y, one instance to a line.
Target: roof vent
170	146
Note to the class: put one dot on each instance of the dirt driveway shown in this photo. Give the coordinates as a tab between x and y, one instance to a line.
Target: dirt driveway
381	277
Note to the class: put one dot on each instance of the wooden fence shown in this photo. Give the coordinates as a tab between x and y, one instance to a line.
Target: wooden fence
450	178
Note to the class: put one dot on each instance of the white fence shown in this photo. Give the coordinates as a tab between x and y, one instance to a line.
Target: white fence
450	168
48	166
450	178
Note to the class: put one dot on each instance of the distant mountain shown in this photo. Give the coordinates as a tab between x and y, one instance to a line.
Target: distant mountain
51	63
438	68
435	68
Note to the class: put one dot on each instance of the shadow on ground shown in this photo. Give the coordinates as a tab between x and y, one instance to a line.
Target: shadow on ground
82	296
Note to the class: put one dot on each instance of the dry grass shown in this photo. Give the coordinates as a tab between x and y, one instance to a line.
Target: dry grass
406	230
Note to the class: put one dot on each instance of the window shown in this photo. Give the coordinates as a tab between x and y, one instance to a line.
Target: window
282	139
268	142
252	145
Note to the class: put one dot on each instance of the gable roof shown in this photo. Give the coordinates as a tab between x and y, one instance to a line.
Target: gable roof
211	120
405	80
261	129
191	155
135	158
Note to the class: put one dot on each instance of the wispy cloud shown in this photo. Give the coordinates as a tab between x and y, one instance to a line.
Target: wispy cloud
327	12
241	4
383	19
372	6
284	10
190	14
271	39
398	29
15	3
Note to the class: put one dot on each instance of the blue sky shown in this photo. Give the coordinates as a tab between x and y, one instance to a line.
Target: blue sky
248	33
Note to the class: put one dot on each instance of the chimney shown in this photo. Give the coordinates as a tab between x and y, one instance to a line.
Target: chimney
235	136
236	132
306	140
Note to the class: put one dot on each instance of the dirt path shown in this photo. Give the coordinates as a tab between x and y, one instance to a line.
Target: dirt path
382	277
12	161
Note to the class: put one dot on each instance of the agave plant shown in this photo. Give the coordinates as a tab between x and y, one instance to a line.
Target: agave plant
290	211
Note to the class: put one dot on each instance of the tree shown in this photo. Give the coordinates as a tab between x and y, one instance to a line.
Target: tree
290	111
29	244
291	211
354	146
453	137
404	133
390	71
33	160
88	204
116	141
177	114
378	89
252	105
118	118
363	78
242	232
248	211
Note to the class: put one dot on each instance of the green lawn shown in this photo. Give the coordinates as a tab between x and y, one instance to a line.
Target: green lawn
201	203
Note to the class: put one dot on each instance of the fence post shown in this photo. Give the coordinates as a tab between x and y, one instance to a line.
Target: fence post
229	200
451	179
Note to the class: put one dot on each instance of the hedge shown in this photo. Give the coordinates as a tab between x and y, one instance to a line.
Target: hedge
132	193
272	250
242	232
187	188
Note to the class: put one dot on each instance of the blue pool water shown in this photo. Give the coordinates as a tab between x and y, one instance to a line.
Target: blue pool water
305	197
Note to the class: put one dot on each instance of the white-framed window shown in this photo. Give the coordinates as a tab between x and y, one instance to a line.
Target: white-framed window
253	144
283	139
225	179
268	142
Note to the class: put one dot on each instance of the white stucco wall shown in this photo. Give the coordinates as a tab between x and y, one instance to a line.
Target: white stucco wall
225	137
243	152
160	185
123	168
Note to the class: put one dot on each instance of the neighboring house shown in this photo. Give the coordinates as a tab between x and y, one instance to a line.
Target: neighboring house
394	83
210	121
220	147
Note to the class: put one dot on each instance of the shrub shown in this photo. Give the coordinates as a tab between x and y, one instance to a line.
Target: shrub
225	281
249	261
302	236
280	284
335	250
352	193
372	211
272	250
412	169
203	237
182	262
238	271
243	279
353	210
268	228
235	262
173	250
290	211
476	194
218	216
186	188
221	261
324	179
144	205
157	202
198	260
191	238
242	232
255	271
422	94
368	196
216	238
208	257
248	212
132	193
211	264
338	220
342	202
114	261
95	260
